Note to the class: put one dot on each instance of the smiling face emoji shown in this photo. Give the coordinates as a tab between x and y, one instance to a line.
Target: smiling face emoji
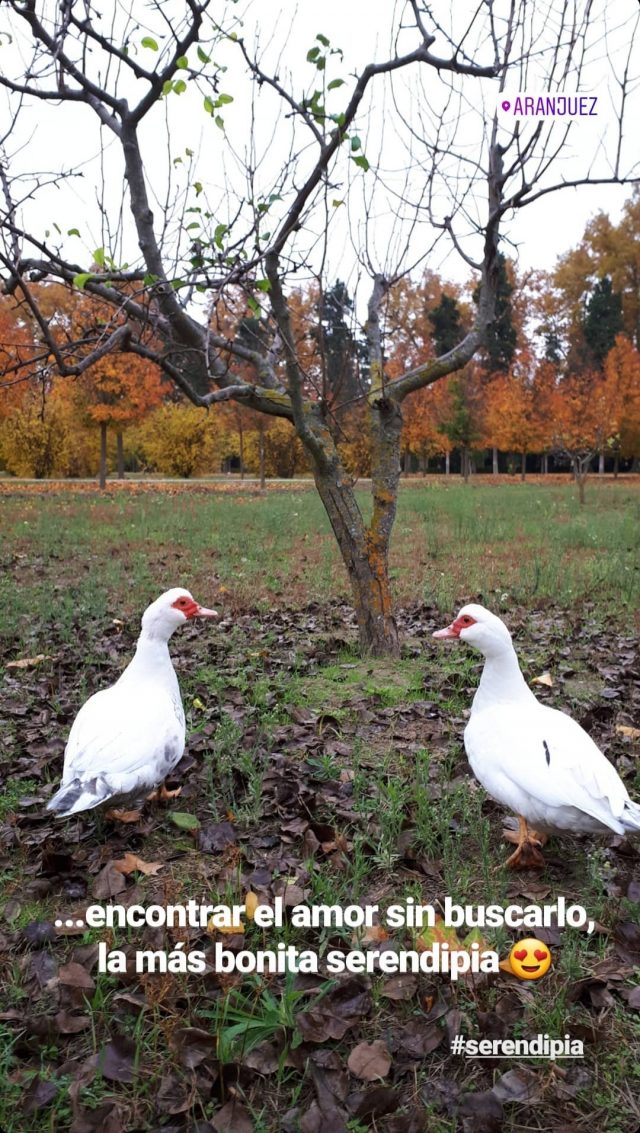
529	959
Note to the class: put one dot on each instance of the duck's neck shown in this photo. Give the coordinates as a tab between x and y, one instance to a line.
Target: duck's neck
151	658
501	681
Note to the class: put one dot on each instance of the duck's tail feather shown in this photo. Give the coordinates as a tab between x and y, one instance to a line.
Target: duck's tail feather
630	817
76	795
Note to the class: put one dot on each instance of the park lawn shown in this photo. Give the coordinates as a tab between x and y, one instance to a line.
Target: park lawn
313	773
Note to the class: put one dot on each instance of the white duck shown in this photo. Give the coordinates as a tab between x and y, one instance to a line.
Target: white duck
127	738
534	760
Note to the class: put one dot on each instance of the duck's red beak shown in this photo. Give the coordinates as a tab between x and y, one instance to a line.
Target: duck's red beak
449	631
203	612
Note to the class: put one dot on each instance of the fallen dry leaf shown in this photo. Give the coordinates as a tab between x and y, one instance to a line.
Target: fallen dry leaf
627	730
543	679
251	902
131	862
30	662
369	1061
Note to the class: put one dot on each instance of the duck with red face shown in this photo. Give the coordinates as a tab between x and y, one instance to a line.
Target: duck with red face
126	739
532	759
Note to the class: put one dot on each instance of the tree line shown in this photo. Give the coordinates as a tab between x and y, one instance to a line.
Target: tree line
559	376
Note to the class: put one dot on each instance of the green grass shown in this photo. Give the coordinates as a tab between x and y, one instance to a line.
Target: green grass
514	545
393	803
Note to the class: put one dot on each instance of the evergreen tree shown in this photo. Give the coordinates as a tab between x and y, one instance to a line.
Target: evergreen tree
338	345
602	320
501	340
446	322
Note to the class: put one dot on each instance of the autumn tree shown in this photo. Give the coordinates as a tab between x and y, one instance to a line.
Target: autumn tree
276	228
622	396
583	421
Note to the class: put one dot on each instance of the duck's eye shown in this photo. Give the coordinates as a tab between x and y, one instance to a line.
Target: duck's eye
466	620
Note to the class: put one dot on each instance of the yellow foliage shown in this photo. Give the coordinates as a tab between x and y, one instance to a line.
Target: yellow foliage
32	443
182	440
283	452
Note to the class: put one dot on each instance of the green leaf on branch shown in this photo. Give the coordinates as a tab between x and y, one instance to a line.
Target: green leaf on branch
150	279
361	161
335	83
355	143
323	40
208	104
98	257
73	232
150	42
167	87
263	284
180	86
312	55
182	62
202	56
81	279
253	305
219	234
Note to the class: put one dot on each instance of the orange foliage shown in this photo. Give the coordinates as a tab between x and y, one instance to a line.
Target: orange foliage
622	390
425	413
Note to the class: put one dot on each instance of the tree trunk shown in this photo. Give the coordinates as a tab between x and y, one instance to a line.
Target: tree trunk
495	466
447	463
600	464
103	455
616	465
465	464
364	549
261	453
241	438
523	465
544	467
580	476
120	454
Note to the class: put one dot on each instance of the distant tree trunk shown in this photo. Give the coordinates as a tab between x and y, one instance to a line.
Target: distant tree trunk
600	464
523	465
103	454
495	465
544	465
616	465
465	464
120	454
241	439
580	474
261	454
447	463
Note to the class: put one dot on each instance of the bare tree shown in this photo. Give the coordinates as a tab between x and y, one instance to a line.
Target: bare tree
466	172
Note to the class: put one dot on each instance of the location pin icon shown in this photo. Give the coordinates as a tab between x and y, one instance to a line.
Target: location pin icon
506	104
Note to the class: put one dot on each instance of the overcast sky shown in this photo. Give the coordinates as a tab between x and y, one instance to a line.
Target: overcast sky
50	138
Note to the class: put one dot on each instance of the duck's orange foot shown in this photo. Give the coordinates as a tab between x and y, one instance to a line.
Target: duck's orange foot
534	836
162	795
123	815
528	845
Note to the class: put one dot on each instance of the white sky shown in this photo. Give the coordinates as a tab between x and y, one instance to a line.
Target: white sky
63	137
